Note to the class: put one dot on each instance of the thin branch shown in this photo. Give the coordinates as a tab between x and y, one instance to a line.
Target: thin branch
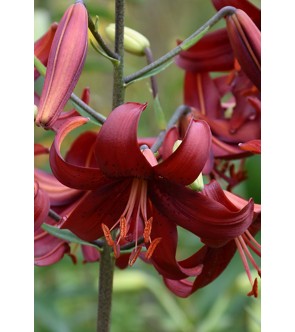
187	43
100	41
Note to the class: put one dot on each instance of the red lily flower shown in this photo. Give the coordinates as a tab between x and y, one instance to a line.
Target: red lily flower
131	193
215	260
65	63
51	194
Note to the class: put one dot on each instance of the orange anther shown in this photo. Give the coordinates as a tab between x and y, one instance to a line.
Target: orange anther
107	234
152	247
147	230
123	227
134	255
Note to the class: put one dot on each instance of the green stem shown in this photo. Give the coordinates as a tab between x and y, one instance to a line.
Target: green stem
106	271
187	43
105	289
180	111
118	85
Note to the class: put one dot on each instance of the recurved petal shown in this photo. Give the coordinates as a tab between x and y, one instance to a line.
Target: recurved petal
213	260
212	53
41	205
65	63
164	256
217	222
70	174
186	163
116	151
48	249
58	193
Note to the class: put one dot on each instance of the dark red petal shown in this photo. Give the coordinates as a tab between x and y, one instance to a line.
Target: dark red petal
58	193
164	256
211	53
90	254
201	92
214	262
186	163
81	150
41	205
203	216
72	175
116	149
104	205
171	137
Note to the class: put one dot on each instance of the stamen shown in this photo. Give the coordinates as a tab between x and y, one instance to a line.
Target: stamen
116	249
123	227
152	247
147	230
107	235
254	290
134	255
244	259
249	255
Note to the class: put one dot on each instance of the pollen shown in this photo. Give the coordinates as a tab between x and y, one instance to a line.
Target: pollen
152	247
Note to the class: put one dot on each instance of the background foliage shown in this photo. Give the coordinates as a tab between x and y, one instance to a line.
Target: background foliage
66	294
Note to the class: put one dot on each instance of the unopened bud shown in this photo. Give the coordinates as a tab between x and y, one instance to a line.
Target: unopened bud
65	62
134	42
245	39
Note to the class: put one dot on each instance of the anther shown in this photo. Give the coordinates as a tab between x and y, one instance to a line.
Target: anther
152	247
147	230
107	235
134	255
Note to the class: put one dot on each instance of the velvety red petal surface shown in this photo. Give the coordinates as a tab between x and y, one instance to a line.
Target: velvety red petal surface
104	205
201	92
117	152
209	219
211	53
214	262
186	163
164	256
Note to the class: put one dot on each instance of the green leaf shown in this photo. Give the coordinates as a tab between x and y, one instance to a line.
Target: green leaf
101	52
66	235
160	116
186	44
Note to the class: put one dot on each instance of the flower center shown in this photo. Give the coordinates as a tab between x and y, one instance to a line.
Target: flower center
134	222
243	242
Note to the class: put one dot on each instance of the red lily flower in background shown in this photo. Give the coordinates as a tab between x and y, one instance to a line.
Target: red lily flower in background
51	194
42	47
129	192
229	103
215	260
65	62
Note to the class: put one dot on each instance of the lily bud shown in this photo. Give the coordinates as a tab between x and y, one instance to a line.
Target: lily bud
245	39
198	184
65	63
134	42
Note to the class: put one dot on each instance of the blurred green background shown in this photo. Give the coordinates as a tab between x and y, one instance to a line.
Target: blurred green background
66	294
